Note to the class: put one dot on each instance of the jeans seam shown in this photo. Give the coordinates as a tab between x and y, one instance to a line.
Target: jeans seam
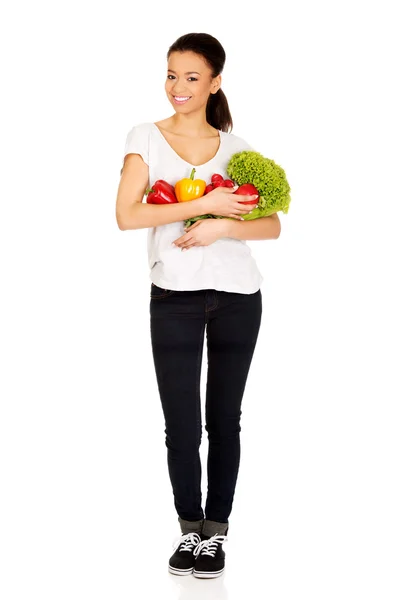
199	355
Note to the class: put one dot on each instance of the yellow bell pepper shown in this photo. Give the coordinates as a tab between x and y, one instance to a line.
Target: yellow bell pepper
189	188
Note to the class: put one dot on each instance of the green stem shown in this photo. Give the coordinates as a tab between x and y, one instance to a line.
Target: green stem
147	192
192	174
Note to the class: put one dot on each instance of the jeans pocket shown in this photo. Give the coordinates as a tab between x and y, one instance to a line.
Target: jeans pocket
157	293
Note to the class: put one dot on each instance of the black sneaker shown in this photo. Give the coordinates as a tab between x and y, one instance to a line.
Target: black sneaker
210	557
182	561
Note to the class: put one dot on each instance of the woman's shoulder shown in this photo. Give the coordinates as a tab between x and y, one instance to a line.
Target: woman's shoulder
139	133
137	140
236	143
141	127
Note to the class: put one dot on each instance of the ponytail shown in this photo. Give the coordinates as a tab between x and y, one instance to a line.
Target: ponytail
217	112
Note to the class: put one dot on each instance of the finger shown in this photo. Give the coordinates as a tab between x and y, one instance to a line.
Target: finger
182	240
245	211
228	190
237	217
248	198
195	224
191	246
239	206
187	242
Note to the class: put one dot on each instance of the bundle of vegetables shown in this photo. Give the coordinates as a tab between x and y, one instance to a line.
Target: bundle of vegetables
217	180
269	179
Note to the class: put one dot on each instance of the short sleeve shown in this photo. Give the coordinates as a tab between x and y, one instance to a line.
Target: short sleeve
137	142
244	145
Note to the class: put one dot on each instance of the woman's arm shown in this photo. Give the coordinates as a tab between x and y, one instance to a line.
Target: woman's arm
132	213
264	228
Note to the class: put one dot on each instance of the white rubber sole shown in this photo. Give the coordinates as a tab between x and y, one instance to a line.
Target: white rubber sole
208	574
180	571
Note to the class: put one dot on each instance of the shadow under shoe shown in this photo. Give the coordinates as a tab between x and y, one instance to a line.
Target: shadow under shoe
210	557
182	561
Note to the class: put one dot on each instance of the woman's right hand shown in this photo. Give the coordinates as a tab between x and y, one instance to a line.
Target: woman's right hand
223	202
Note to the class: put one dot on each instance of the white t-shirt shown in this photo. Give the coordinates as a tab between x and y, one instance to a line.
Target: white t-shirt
227	264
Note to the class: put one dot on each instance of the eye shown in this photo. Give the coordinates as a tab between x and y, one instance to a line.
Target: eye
173	77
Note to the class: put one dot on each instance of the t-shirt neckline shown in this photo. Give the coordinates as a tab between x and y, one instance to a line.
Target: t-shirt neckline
185	161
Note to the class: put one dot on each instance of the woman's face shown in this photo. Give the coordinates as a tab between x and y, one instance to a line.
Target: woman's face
189	82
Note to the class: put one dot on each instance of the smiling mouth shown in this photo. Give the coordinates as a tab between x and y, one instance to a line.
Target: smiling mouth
181	98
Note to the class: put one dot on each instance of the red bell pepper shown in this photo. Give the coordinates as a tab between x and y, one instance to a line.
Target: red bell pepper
248	189
161	192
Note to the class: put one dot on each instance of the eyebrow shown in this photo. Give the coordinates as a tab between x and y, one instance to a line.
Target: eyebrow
187	72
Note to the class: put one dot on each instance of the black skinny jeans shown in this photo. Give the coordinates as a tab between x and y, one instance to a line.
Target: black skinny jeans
178	321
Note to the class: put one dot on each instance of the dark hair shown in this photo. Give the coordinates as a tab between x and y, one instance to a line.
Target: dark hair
217	111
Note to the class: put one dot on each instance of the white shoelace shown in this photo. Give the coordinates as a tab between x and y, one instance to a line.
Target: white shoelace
188	541
210	546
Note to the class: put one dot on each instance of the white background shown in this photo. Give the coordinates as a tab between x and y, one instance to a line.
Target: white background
86	506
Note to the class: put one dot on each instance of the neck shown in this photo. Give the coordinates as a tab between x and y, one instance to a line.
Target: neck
192	125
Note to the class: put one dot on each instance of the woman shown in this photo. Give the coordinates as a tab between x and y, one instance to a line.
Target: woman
204	279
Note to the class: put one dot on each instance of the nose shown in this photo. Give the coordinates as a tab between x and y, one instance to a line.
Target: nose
176	91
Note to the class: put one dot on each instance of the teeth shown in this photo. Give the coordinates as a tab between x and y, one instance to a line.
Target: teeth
179	98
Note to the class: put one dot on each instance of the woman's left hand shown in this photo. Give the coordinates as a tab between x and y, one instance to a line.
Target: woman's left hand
202	233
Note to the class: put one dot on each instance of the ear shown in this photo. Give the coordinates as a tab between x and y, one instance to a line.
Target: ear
216	84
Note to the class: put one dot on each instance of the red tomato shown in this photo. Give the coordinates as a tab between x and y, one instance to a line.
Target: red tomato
209	188
216	177
248	189
229	183
219	183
